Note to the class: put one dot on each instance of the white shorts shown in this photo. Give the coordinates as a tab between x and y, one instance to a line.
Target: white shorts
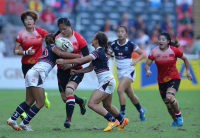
107	85
129	72
35	77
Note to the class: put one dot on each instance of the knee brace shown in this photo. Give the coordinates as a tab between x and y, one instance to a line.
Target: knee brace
168	97
69	90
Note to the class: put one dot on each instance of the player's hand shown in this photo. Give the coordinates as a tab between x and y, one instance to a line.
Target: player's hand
188	75
73	71
65	66
148	73
133	63
60	61
31	51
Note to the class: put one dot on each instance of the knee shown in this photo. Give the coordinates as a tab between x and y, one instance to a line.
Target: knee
69	91
170	97
90	105
120	90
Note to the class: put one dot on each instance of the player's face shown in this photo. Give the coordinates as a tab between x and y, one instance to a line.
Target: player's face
94	41
29	22
163	42
66	31
121	33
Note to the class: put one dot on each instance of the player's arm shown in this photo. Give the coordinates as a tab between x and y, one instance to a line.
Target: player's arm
147	67
139	51
17	50
84	70
186	62
75	61
62	54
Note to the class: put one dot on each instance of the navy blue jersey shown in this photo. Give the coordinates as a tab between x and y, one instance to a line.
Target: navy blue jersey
100	62
48	55
123	51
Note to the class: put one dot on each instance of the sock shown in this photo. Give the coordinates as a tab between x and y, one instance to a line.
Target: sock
120	119
70	103
20	109
123	109
108	116
78	100
174	117
178	113
138	107
31	113
113	119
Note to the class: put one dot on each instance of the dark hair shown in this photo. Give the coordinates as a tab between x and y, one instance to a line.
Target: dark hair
172	43
126	29
103	41
50	39
64	21
31	13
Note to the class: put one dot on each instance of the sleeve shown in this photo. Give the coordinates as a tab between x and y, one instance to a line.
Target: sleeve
135	47
111	47
19	38
81	41
42	32
95	54
151	56
178	52
85	51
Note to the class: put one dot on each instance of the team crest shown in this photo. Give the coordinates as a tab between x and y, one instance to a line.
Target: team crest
116	48
126	48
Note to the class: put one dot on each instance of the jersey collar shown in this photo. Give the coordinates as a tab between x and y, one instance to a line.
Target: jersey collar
123	44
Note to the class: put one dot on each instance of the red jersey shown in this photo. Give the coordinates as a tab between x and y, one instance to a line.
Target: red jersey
166	63
78	42
33	40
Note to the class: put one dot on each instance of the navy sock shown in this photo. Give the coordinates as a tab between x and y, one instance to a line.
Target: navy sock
70	103
108	116
78	100
20	109
113	119
31	113
120	119
139	107
123	109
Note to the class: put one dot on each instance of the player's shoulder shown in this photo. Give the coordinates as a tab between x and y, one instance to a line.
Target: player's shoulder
77	35
173	48
114	43
21	31
39	30
155	49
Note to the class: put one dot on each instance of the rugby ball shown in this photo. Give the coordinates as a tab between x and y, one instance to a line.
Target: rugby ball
64	44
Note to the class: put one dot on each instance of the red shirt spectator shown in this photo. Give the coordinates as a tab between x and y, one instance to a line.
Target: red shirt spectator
48	16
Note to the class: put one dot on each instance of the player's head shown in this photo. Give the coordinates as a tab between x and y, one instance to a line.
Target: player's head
122	32
50	39
65	27
164	41
100	39
29	18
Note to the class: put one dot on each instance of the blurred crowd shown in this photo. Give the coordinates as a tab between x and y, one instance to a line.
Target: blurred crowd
50	10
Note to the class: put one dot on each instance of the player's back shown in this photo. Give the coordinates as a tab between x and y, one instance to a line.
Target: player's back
48	59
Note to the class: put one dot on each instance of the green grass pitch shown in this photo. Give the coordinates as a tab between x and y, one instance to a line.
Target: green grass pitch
48	123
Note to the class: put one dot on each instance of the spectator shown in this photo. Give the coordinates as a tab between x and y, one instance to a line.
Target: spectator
157	26
138	24
107	26
172	33
2	47
154	36
128	23
35	5
142	39
188	32
66	5
48	16
167	24
186	19
196	47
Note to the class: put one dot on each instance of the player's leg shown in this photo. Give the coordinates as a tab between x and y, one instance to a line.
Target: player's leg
171	112
23	107
124	83
134	99
38	93
117	119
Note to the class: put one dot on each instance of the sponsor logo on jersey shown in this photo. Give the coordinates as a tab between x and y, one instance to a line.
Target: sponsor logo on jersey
116	48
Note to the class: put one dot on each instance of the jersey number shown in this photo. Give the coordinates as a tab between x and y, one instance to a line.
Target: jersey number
45	53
